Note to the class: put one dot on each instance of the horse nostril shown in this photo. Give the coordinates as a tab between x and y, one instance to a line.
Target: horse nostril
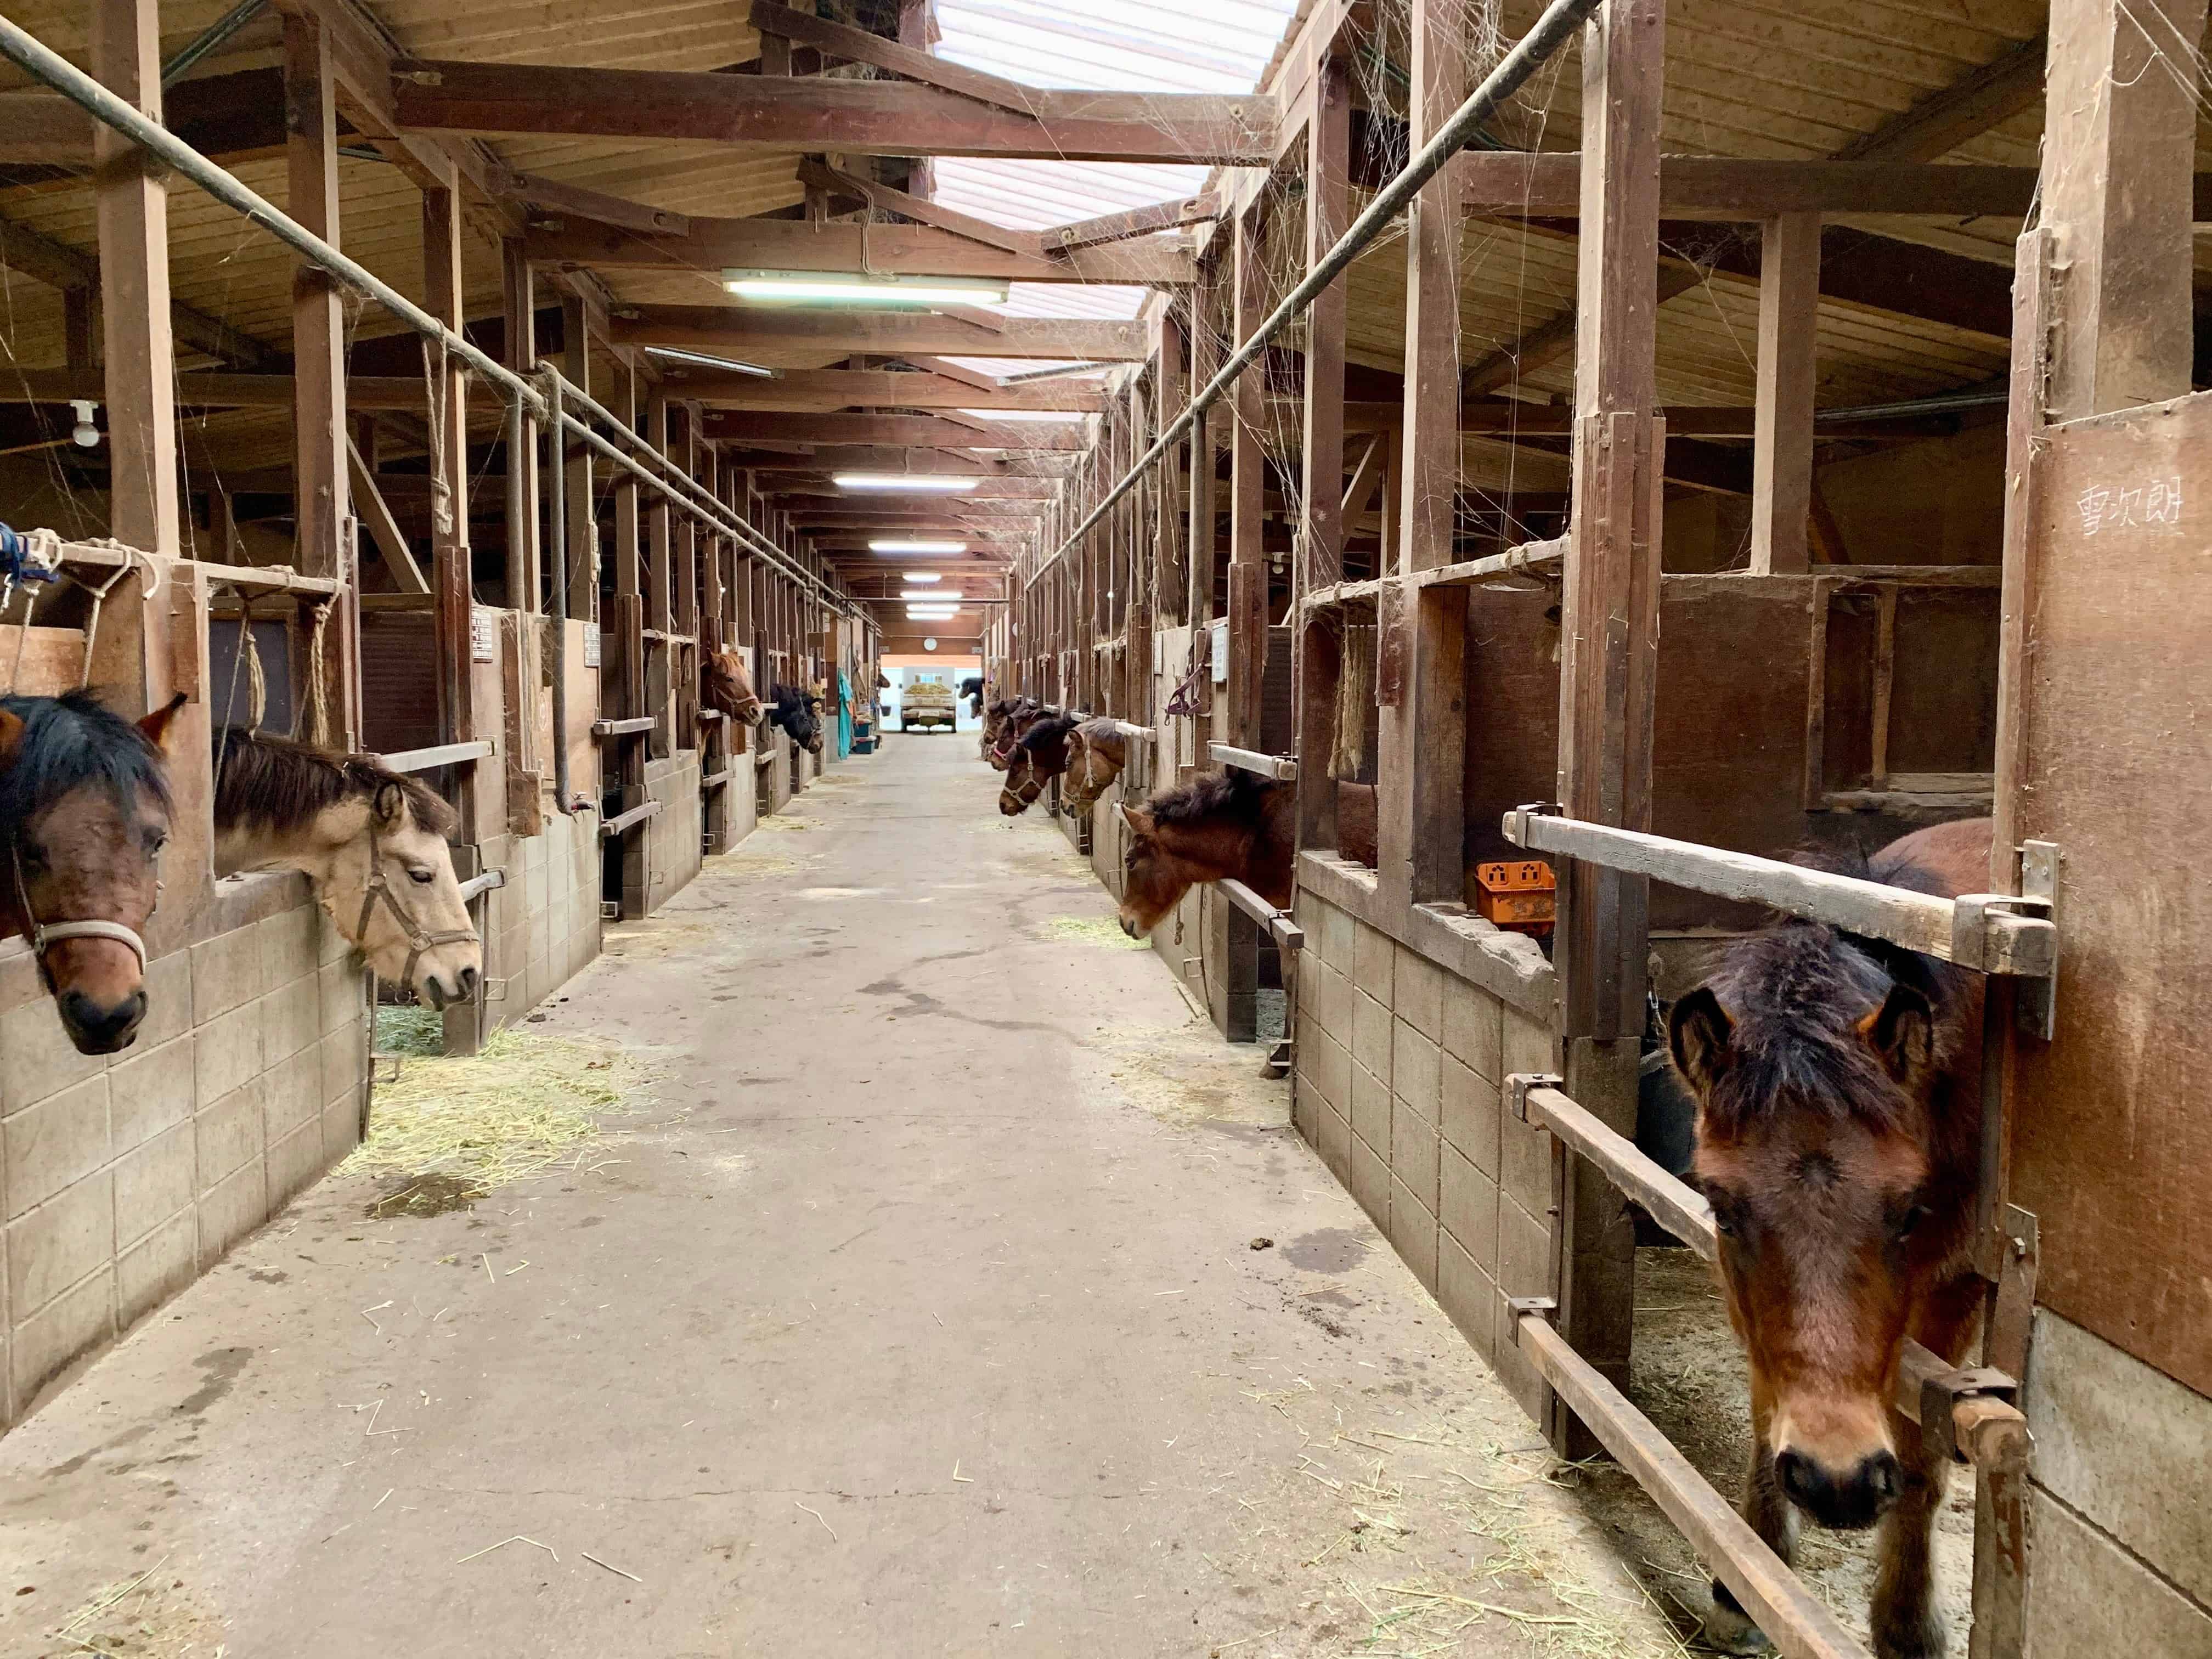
99	1030
1884	1478
469	979
1802	1481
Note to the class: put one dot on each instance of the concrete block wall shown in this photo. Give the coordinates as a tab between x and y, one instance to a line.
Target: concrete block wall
671	834
124	1177
1400	1086
543	927
2120	1527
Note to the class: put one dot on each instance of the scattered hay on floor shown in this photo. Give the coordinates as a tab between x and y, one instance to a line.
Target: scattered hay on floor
785	825
657	937
150	1616
1094	930
750	861
486	1121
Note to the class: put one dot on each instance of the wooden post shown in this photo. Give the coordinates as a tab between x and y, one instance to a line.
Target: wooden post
683	662
660	607
1609	635
1321	531
1421	637
147	651
1171	580
520	294
2118	140
1782	449
1247	501
320	494
624	648
582	553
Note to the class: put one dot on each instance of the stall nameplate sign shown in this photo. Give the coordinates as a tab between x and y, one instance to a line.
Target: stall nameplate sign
483	634
591	646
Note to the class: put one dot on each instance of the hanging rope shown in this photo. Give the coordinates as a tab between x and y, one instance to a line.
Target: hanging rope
319	708
437	388
156	567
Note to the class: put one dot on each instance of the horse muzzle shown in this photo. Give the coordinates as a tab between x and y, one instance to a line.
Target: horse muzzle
102	1029
1843	1501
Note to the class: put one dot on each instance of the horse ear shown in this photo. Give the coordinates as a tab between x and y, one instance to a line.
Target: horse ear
11	737
1139	820
389	805
1701	1035
1902	1031
155	726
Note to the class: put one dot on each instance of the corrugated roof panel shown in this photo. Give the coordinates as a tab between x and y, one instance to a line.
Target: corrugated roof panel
1105	45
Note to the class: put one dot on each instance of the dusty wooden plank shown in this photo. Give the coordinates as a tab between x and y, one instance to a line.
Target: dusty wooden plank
1135	221
884	250
774	19
518	313
819	176
1248	569
1788	379
828	390
552	196
753	334
321	450
927	431
860	118
384	532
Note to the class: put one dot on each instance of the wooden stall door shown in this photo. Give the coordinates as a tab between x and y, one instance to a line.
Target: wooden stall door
2112	1119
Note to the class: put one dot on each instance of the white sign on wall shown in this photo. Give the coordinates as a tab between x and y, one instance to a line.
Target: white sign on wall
1219	652
591	646
483	634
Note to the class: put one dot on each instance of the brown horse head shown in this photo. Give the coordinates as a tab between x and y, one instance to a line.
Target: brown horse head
724	684
1096	751
1040	755
1836	1131
1220	825
84	813
1002	723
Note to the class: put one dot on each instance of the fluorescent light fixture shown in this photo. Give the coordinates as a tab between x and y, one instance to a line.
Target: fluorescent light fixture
707	360
906	545
906	483
833	286
923	576
914	615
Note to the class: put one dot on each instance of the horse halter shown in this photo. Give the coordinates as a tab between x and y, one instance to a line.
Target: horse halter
418	941
45	934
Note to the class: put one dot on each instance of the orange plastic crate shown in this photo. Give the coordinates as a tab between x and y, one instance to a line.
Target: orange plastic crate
1519	895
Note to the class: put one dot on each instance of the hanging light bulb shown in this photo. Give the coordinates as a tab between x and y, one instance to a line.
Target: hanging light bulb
85	434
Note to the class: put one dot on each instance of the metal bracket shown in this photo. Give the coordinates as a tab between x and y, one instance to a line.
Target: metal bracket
1516	820
1975	944
1545	1308
494	990
1517	1085
2012	1317
1941	1394
2035	1005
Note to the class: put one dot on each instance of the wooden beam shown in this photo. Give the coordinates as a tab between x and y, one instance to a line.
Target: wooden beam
1982	98
1517	184
857	118
518	293
769	465
716	244
775	20
754	334
551	196
1788	378
1248	484
1608	655
1136	221
384	530
926	431
319	319
818	177
41	127
581	512
452	576
824	390
61	266
2118	150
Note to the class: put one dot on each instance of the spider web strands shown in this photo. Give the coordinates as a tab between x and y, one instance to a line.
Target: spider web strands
1550	32
42	64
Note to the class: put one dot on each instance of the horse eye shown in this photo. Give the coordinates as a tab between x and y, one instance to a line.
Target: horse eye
1911	1219
422	877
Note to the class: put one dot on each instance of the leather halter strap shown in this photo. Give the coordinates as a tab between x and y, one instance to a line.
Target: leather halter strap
418	939
45	934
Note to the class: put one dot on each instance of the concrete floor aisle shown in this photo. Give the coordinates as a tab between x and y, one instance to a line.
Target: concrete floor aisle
919	1313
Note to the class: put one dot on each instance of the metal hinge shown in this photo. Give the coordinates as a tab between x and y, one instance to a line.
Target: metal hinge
1516	820
1517	1085
1940	1396
1545	1308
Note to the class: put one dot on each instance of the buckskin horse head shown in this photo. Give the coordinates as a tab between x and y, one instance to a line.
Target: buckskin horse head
1096	751
370	840
84	813
1220	825
1838	1114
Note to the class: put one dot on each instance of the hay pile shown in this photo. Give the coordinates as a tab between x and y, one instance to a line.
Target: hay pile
527	1101
1095	930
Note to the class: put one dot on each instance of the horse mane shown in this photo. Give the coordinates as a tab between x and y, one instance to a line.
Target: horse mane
68	742
262	779
1230	792
1044	733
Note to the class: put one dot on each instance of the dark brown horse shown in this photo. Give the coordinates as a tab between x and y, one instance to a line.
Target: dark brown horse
1006	722
1097	752
84	813
1039	755
1838	1124
724	684
1220	825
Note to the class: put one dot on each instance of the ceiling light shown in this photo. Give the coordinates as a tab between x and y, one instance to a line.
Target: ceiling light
835	286
906	545
923	576
930	616
913	484
707	360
